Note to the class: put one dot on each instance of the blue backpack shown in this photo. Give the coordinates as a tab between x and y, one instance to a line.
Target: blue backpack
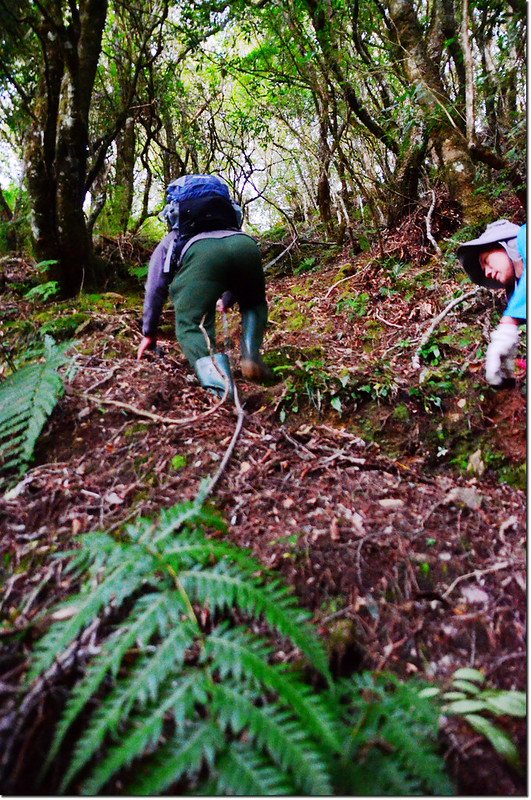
199	203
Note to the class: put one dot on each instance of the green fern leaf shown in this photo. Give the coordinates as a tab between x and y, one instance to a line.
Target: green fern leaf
141	686
27	398
416	749
235	653
149	614
243	771
219	590
147	731
121	583
183	755
277	731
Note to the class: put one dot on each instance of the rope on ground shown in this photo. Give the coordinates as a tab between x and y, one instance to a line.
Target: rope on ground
438	319
208	488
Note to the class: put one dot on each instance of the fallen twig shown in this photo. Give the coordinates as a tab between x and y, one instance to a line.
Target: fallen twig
386	321
283	253
348	278
139	412
477	573
438	319
428	225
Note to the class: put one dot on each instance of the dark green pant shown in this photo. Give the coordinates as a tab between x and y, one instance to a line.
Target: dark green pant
211	267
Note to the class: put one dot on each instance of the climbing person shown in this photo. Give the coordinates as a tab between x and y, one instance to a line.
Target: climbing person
497	260
204	257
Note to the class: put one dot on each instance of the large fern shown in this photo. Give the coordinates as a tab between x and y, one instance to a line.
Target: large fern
182	686
27	398
392	746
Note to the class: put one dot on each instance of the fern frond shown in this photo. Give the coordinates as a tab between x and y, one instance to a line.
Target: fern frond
171	520
149	614
279	733
27	398
194	745
142	685
121	583
222	587
243	771
179	701
416	750
235	653
391	713
147	731
379	774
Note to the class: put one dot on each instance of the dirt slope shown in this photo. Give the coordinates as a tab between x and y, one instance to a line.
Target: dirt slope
390	503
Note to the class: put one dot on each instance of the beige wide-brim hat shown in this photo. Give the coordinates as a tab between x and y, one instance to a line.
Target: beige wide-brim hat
501	232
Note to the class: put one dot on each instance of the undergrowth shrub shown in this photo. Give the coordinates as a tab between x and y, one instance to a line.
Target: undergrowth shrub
27	398
185	687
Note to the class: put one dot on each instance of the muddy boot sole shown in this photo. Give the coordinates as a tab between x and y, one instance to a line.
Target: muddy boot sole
255	371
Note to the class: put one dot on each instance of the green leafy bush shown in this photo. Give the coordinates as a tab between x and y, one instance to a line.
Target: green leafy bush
43	292
355	305
27	398
478	705
182	689
388	716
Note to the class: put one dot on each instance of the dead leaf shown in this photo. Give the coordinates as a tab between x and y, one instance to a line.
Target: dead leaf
474	596
113	499
465	496
391	502
334	530
475	463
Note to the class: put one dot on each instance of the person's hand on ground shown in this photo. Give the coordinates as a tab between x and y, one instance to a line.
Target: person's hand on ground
147	343
501	352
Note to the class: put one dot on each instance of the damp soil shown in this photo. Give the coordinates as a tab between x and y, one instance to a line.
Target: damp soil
408	550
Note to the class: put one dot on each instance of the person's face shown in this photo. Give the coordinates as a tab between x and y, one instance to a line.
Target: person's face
497	265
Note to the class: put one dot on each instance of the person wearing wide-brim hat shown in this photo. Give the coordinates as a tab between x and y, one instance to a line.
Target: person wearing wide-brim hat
497	260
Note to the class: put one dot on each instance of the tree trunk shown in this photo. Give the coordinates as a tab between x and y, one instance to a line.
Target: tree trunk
404	184
450	142
57	145
125	167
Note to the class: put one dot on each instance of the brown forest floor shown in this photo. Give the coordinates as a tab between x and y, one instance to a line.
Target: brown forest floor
408	561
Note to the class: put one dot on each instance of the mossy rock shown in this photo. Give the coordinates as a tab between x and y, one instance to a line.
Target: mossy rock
297	322
63	328
288	355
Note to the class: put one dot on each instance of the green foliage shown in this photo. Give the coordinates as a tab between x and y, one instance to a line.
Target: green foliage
354	304
43	266
387	716
180	661
43	292
468	699
181	689
139	272
308	382
62	327
27	398
305	265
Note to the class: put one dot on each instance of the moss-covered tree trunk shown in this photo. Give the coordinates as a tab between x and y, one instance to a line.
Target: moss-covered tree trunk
58	140
125	169
446	131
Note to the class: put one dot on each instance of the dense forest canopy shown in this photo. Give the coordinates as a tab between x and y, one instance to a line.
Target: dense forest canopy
332	113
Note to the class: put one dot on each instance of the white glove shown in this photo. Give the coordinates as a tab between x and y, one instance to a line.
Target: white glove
501	352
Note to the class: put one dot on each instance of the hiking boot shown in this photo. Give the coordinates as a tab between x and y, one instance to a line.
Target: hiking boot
253	327
214	372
